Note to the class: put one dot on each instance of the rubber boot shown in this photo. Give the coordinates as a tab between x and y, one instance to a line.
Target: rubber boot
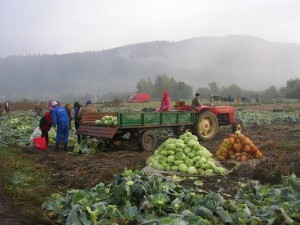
65	146
56	147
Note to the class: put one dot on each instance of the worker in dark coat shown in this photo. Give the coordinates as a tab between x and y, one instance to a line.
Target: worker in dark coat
69	112
75	115
60	119
45	125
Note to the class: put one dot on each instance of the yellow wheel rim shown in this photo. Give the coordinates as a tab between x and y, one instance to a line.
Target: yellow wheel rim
207	127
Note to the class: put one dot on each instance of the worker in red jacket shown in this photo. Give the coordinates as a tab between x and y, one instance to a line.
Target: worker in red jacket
45	125
165	104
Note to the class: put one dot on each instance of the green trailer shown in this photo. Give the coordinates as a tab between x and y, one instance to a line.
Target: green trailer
140	126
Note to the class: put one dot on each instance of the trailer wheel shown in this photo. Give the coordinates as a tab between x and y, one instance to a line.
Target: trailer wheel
206	126
237	125
148	141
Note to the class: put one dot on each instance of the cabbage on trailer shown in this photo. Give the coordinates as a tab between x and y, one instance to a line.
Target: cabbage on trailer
139	127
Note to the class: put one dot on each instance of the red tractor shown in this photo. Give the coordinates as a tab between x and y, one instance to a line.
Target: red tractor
208	119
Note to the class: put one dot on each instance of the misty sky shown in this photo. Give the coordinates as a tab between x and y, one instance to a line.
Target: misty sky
66	26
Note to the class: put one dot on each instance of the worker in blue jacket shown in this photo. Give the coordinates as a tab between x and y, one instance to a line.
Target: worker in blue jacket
60	119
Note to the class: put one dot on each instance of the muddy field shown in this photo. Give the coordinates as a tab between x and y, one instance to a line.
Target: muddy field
279	143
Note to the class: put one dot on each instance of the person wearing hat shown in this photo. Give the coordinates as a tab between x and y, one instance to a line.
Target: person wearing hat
196	101
165	104
88	108
60	119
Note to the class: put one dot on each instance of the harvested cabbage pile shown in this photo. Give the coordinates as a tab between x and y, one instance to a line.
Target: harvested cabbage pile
107	121
184	155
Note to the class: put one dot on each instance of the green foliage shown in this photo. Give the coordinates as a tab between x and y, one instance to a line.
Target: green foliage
87	146
271	92
264	117
23	177
232	90
16	128
178	90
155	199
294	94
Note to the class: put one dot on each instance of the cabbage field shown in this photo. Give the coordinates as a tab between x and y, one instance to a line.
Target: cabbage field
90	186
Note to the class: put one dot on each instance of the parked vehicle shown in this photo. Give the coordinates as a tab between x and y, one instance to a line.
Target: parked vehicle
204	121
139	98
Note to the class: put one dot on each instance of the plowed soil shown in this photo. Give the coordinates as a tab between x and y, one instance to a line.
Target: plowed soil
84	171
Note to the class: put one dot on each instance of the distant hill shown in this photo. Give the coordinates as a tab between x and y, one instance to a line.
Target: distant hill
250	62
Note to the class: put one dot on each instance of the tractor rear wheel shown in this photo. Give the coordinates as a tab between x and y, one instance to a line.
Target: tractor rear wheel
206	126
237	125
148	141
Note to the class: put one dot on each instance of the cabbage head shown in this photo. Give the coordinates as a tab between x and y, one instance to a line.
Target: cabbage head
161	158
191	155
164	152
204	166
188	134
211	164
180	156
171	147
178	162
196	158
174	168
183	168
171	158
192	170
219	170
178	150
208	172
170	152
187	150
206	154
193	137
191	143
197	147
189	162
200	171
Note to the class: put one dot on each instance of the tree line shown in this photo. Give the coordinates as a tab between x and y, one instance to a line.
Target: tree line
180	90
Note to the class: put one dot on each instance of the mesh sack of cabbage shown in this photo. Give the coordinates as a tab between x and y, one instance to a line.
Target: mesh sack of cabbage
184	156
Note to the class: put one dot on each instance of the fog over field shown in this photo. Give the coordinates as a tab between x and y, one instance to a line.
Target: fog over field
51	47
250	62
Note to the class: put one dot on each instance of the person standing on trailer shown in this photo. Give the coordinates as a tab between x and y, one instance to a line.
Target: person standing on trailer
165	105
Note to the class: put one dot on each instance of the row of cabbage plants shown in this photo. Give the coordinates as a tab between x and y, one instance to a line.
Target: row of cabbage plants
152	199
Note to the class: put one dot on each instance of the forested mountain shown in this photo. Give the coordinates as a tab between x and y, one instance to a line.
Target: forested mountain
250	62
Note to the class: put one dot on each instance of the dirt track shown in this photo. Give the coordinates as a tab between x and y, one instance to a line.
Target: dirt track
85	171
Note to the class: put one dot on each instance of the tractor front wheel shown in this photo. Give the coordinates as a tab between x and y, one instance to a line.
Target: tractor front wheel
148	141
206	126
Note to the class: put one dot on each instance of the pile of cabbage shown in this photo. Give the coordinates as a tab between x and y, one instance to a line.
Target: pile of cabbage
107	121
184	155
